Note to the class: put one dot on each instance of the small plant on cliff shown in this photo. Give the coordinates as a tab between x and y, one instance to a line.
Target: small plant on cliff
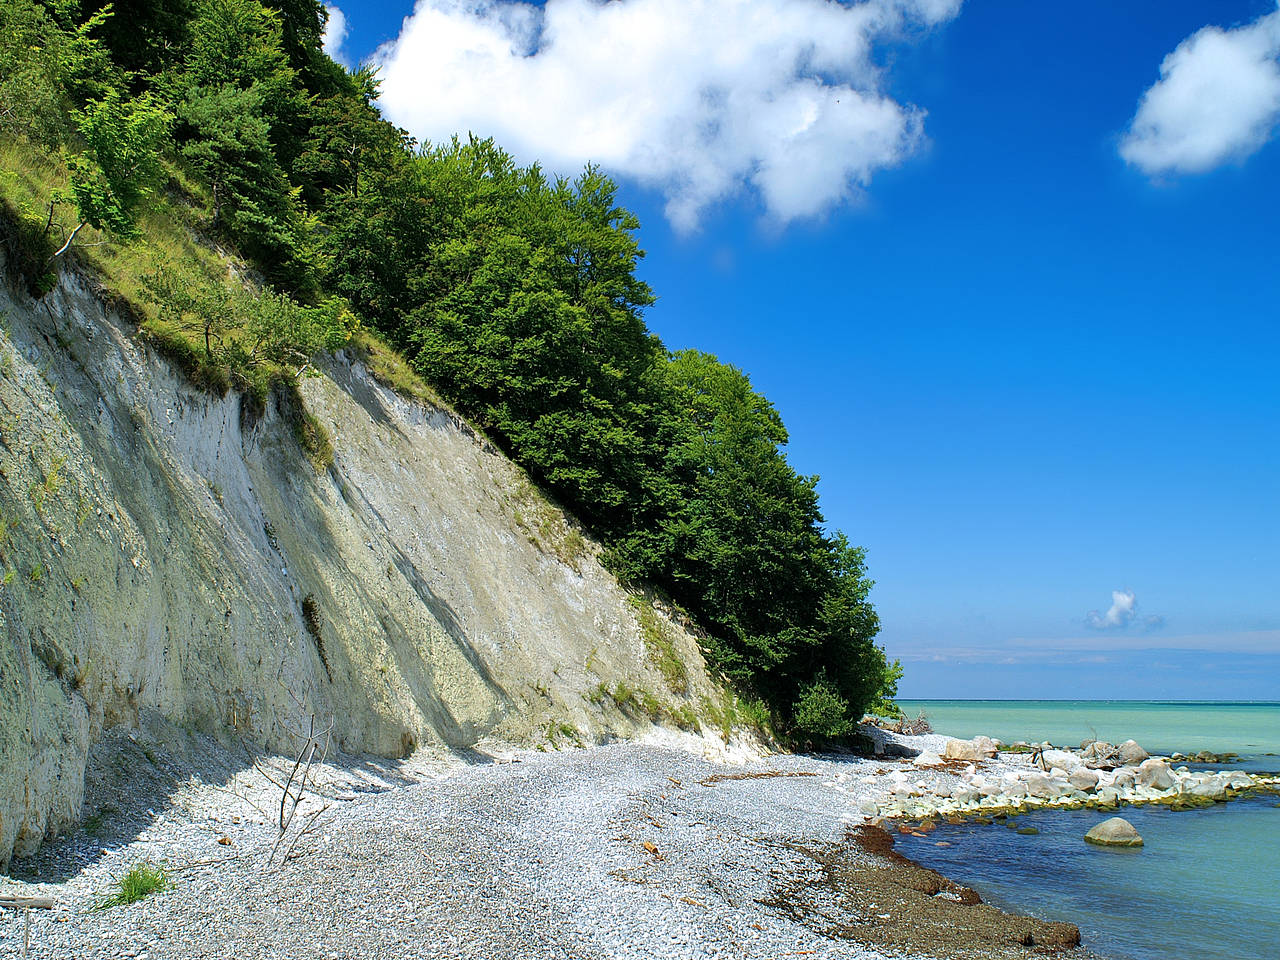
142	880
660	644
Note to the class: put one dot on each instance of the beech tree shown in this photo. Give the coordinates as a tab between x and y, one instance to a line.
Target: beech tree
120	163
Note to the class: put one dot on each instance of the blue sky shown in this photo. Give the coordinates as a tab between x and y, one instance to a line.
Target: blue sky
1024	328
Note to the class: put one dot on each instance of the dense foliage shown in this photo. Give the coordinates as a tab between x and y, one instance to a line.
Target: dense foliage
513	292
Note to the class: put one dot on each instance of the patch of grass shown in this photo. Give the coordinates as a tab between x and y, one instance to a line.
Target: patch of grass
545	525
660	643
631	700
141	881
37	573
558	730
732	711
623	695
391	370
650	704
312	437
685	717
314	440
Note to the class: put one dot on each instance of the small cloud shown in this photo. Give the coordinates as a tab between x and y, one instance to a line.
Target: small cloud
1123	609
1153	622
1217	100
335	34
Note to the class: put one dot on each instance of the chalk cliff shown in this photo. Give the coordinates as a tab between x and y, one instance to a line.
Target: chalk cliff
168	550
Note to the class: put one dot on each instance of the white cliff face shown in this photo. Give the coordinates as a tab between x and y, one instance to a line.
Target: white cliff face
164	550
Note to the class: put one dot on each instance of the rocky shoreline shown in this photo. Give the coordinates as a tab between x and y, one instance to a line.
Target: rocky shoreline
983	777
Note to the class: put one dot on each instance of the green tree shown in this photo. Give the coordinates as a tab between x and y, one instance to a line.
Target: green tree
237	95
228	140
46	68
120	163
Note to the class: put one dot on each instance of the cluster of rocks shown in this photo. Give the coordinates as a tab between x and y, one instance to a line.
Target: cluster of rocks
978	777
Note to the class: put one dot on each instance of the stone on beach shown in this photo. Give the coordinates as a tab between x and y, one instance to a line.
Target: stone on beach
960	750
1131	753
927	759
1084	779
1155	774
985	747
1062	759
1116	832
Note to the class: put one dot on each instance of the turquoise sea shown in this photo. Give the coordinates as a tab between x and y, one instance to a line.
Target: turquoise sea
1206	885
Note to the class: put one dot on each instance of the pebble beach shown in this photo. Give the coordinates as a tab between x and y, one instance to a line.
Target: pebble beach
665	849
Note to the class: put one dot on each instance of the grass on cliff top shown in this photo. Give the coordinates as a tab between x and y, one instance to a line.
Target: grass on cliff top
389	368
169	238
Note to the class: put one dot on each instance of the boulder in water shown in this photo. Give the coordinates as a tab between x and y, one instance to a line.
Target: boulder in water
1116	832
1131	753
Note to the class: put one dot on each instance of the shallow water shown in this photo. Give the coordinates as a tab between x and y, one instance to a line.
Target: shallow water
1206	885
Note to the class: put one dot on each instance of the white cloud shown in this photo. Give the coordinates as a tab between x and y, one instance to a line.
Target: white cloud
335	34
1120	614
1218	99
700	99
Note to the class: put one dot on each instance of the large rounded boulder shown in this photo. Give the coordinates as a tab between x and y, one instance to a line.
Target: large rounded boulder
1116	832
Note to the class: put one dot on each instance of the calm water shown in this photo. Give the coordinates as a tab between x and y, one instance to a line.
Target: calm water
1206	886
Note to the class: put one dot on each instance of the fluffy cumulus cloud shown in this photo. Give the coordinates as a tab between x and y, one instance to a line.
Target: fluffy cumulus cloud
1122	614
335	33
700	99
1217	100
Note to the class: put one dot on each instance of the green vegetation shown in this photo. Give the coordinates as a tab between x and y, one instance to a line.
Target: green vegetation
142	880
660	643
241	195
